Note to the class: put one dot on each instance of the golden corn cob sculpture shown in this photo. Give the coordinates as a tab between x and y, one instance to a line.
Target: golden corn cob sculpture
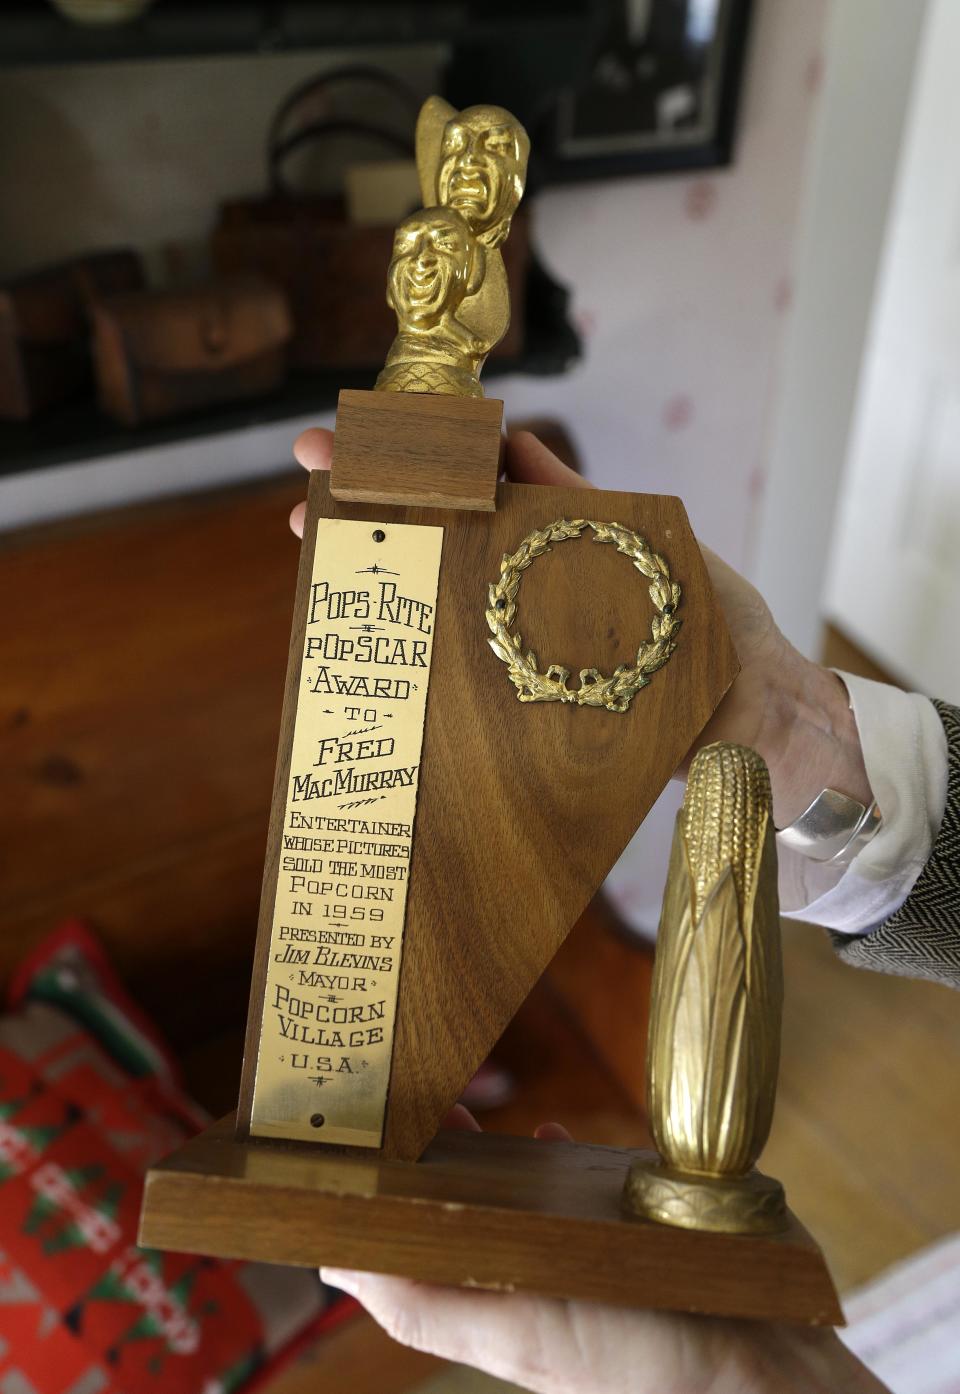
714	1045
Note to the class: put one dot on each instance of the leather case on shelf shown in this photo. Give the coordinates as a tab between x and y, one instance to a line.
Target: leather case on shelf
44	329
162	353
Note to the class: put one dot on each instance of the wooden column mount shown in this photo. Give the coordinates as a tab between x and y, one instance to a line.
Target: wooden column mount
417	449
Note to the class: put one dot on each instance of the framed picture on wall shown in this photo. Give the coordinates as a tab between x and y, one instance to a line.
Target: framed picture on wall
662	92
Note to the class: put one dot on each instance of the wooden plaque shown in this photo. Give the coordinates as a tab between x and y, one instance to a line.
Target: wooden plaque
398	447
522	809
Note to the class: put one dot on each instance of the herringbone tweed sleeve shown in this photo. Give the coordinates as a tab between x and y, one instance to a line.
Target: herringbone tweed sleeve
922	939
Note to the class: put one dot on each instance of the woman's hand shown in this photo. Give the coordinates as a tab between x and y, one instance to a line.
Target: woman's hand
793	712
557	1347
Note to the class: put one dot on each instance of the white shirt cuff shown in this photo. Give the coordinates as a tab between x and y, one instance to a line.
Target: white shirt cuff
905	754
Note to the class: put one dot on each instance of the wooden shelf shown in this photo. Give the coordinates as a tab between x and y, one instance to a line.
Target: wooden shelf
31	32
77	431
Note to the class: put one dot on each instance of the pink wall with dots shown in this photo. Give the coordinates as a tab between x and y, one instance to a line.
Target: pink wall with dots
682	291
682	286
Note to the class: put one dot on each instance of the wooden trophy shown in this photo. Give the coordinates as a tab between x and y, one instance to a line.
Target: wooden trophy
447	802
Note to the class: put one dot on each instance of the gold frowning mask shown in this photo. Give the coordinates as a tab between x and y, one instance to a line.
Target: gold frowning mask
447	283
482	168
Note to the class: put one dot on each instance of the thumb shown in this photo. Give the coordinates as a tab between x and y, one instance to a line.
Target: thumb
530	462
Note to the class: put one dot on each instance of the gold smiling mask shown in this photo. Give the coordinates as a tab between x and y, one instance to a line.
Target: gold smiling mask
436	264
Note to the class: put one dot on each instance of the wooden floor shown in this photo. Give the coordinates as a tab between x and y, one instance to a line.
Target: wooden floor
141	678
867	1130
868	1123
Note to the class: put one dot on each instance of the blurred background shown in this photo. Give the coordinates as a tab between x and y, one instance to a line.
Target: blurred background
734	279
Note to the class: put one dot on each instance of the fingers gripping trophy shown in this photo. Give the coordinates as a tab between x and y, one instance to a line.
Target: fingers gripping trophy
447	801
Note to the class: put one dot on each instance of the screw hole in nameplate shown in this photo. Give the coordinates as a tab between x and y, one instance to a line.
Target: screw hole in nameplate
379	535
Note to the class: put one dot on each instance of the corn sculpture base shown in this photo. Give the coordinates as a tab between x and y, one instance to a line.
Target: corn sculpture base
446	804
717	994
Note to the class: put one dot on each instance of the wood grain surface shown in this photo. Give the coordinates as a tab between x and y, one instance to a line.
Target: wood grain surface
140	687
413	448
480	1210
522	809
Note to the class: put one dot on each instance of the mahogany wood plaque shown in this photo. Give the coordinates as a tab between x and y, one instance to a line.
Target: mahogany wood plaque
522	808
399	447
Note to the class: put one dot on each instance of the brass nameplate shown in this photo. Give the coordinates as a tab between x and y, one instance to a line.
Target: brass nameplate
326	1037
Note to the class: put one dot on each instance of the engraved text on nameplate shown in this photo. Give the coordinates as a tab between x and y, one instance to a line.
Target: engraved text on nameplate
323	1063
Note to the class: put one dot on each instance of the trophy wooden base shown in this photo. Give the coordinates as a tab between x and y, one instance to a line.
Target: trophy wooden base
479	1210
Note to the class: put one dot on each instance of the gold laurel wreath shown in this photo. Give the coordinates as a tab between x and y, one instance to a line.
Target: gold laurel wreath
618	691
